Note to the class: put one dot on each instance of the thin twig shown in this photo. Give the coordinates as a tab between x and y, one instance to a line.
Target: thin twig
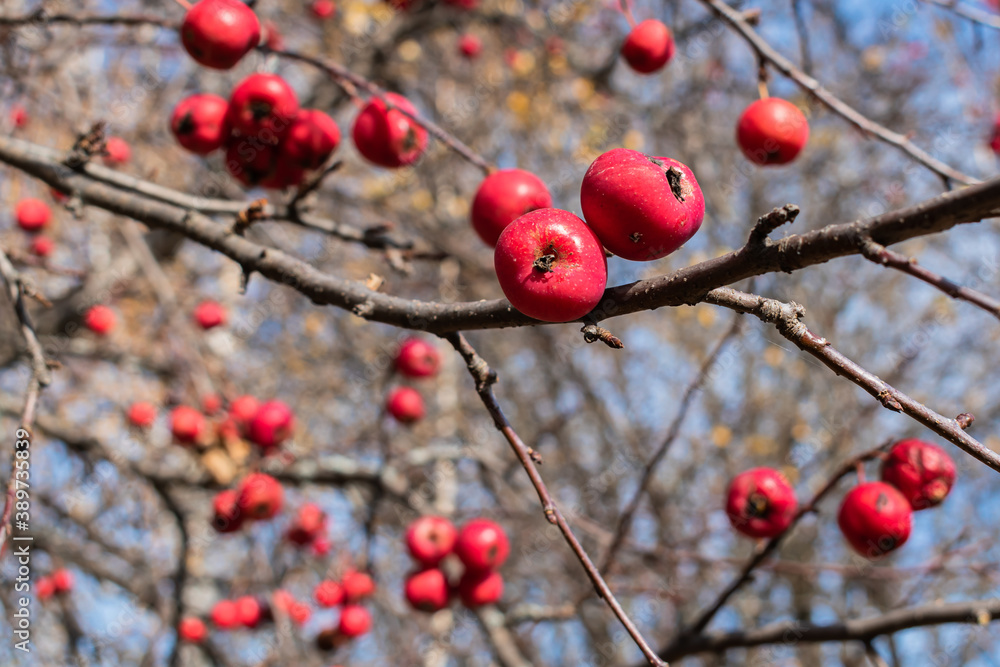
967	12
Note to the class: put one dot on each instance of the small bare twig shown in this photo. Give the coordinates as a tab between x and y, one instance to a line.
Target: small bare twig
593	333
770	221
968	12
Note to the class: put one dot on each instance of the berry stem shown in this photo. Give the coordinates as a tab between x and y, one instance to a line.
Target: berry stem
185	4
627	11
860	467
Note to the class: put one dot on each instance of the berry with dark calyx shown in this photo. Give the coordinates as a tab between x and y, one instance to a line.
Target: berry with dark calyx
504	196
141	414
922	472
100	319
328	593
427	590
388	137
357	585
405	404
42	246
199	123
311	140
226	514
62	580
470	46
192	630
760	503
354	621
641	207
648	47
418	358
262	107
309	523
116	152
482	545
251	162
430	538
32	215
272	425
875	518
224	615
551	265
19	116
186	424
477	589
260	496
772	131
218	33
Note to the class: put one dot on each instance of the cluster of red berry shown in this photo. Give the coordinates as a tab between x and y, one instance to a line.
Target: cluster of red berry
416	359
59	582
481	547
875	517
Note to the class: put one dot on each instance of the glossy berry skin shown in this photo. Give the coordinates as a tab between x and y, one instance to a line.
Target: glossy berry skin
328	593
100	319
309	523
250	163
470	46
62	580
192	630
226	514
209	314
922	472
760	503
772	131
186	424
551	265
648	47
875	518
224	615
482	545
218	33
272	425
480	588
504	196
418	358
405	404
199	123
357	585
311	140
323	9
141	414
243	409
387	137
430	538
263	106
354	621
44	588
641	208
117	152
260	496
32	215
42	246
427	591
249	613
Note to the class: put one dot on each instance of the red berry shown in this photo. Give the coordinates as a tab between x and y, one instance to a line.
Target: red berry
470	46
58	196
45	588
321	546
354	621
209	314
248	611
922	472
32	214
323	9
62	580
273	38
283	174
309	523
225	615
641	207
186	424
328	593
199	123
192	630
388	137
772	131
430	539
42	246
482	545
243	409
760	502
480	588
648	47
299	612
260	496
272	425
100	319
263	107
19	116
357	585
875	518
117	152
250	162
995	139
405	404
218	33
211	404
551	265
504	196
418	358
226	515
141	414
311	140
427	591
